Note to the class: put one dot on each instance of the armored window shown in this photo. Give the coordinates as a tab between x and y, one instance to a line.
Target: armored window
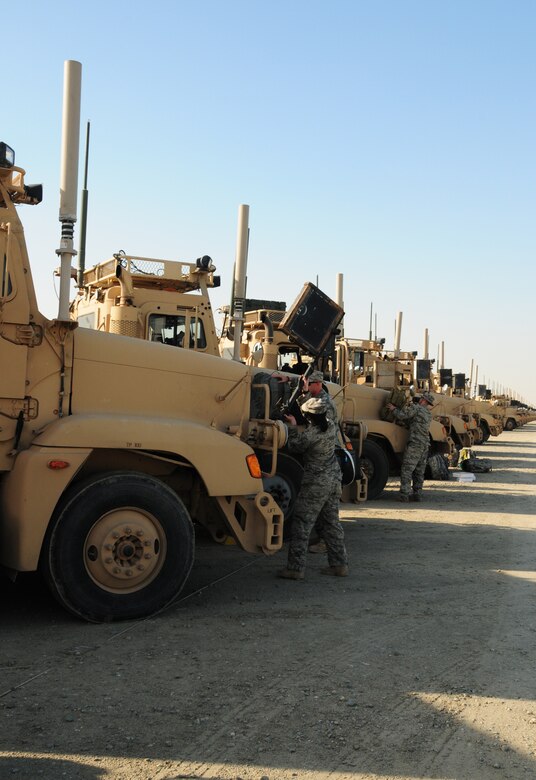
177	330
358	362
167	329
197	334
87	320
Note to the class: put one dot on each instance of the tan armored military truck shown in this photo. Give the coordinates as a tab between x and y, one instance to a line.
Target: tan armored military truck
167	301
489	422
268	342
466	423
111	447
514	412
450	408
452	400
514	415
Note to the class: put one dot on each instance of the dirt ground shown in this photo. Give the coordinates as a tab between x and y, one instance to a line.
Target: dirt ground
420	664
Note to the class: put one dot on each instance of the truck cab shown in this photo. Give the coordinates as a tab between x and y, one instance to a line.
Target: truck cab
111	448
164	301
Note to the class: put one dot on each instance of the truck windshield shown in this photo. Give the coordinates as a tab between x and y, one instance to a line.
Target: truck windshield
177	330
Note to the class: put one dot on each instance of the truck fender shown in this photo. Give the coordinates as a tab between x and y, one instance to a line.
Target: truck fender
396	436
29	496
459	425
218	457
439	440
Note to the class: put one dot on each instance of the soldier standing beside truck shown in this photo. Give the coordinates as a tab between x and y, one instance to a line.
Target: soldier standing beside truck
313	388
320	492
418	417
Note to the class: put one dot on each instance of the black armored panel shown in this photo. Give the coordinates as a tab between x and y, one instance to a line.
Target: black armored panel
312	319
422	370
459	381
445	377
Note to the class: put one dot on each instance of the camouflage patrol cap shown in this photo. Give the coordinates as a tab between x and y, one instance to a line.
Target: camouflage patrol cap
314	406
429	398
316	376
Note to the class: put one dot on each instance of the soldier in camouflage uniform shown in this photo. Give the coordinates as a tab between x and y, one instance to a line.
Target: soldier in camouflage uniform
418	417
313	388
319	494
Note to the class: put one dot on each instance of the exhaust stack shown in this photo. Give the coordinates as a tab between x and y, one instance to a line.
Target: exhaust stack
83	220
426	344
339	297
471	379
240	269
72	83
398	333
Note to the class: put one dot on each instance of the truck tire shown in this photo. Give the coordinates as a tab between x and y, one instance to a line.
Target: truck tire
285	485
485	432
375	464
120	547
510	424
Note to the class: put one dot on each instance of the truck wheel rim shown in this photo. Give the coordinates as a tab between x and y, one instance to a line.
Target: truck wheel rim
125	550
368	467
280	490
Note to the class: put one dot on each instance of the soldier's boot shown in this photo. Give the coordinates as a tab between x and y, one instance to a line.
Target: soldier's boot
318	547
291	574
402	497
335	571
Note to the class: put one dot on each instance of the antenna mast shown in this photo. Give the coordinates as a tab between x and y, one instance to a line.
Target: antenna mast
83	219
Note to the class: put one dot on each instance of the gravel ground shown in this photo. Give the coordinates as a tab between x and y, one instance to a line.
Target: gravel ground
420	664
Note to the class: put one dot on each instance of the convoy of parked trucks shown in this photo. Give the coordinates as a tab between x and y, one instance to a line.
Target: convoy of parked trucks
129	418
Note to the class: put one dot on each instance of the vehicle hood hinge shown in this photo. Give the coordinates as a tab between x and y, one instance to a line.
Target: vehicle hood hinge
13	407
30	335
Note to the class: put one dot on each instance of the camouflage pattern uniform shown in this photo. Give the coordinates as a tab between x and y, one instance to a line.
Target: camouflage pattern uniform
324	395
319	496
331	415
331	412
418	419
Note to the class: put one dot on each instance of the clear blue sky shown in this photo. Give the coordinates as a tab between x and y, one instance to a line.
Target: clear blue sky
393	141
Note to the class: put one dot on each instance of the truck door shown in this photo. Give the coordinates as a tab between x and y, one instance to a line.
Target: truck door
14	321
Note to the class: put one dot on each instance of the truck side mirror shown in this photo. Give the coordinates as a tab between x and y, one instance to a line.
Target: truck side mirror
257	353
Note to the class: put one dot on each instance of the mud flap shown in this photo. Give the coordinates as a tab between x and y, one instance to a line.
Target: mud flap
255	522
356	492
